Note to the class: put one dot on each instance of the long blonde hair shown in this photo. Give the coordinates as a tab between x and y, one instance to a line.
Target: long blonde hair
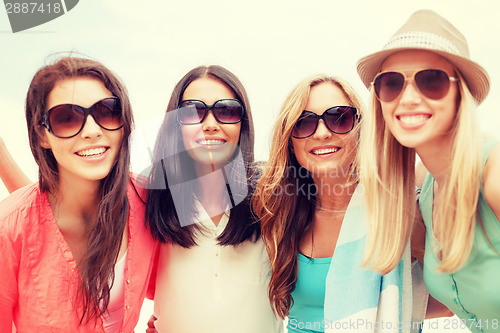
285	217
387	172
457	210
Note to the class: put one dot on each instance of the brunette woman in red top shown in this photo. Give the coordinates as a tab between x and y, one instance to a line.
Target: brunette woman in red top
74	253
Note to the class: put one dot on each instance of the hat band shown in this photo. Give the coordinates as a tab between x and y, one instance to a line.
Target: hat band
423	40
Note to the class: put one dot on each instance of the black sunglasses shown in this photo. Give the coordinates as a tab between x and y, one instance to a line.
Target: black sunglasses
67	120
432	83
225	111
338	119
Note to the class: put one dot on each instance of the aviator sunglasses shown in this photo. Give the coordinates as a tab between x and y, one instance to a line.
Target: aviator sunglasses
67	120
225	111
338	119
432	83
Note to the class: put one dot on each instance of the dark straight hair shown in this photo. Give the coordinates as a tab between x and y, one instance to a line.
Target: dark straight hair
96	268
161	214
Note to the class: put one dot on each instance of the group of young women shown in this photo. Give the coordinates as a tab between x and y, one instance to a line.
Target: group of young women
225	244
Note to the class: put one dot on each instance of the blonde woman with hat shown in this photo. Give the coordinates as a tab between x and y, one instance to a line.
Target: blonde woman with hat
424	93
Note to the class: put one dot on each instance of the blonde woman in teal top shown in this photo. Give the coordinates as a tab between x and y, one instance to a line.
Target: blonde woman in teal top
312	216
424	93
311	163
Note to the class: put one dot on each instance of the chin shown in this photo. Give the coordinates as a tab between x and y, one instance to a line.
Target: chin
409	142
99	174
320	170
98	177
215	160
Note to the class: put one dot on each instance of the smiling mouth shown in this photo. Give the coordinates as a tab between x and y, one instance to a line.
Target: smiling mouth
413	119
325	151
211	142
91	152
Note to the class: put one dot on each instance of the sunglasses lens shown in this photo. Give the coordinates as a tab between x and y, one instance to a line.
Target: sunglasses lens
191	112
433	83
108	113
306	125
388	86
66	120
228	111
340	119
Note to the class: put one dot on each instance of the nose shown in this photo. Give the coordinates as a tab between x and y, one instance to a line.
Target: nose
410	95
210	123
91	128
322	132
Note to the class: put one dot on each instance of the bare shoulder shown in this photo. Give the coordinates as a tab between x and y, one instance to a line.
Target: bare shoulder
491	180
420	173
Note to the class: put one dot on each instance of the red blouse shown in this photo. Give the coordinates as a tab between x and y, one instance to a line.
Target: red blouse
38	275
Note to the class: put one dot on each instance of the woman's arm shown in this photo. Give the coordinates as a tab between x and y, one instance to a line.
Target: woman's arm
491	180
10	173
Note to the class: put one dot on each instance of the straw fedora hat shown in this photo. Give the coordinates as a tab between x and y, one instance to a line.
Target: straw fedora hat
427	30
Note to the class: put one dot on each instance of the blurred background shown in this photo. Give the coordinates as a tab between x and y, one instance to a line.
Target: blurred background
269	45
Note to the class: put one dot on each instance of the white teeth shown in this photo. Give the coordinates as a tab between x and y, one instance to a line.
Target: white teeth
324	151
91	152
414	119
210	142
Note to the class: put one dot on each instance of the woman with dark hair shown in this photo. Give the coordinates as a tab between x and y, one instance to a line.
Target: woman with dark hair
213	269
70	243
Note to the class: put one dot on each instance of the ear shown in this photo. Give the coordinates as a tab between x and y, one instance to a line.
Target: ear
44	143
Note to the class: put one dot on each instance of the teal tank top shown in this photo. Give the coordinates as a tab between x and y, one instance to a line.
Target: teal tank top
307	311
473	292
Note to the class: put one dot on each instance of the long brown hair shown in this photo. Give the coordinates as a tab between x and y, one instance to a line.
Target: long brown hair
286	216
96	268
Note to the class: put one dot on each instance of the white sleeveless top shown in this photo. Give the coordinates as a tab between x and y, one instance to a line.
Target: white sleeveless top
212	288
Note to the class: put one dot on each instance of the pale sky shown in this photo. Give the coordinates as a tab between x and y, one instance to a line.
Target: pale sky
269	45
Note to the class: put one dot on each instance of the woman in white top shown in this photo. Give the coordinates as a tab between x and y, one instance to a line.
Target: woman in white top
213	270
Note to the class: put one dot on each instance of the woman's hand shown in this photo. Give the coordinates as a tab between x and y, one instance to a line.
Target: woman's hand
151	325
